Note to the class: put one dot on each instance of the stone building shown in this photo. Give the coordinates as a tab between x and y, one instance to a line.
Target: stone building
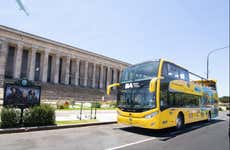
63	71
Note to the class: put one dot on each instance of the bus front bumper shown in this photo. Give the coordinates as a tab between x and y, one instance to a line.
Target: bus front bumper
139	122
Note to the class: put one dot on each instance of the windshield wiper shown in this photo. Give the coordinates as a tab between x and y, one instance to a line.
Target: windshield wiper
149	78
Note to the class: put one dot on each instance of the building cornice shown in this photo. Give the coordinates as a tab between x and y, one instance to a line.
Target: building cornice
60	44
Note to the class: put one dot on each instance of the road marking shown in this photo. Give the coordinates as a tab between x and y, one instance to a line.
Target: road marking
129	144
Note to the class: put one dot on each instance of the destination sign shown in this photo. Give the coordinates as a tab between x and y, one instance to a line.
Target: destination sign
132	85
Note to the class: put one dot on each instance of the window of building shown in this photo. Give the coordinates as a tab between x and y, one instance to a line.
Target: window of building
112	76
10	62
60	70
118	76
49	68
105	76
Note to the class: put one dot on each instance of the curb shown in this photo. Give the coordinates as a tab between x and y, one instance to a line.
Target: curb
52	127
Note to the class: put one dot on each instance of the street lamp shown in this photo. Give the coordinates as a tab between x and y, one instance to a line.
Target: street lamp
218	49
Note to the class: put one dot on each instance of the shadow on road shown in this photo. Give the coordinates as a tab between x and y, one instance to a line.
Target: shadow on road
166	134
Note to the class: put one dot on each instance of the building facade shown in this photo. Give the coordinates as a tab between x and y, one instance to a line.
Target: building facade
55	65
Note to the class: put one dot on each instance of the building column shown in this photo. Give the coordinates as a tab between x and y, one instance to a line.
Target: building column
115	76
108	76
76	73
65	68
3	58
55	68
94	75
31	64
119	71
44	65
101	77
18	61
86	74
73	71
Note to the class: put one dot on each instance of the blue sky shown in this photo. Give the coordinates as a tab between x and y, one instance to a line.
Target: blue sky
134	31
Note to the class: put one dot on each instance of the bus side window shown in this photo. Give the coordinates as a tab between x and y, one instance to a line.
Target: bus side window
178	100
164	96
171	99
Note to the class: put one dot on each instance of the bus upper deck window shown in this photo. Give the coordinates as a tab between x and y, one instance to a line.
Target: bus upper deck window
165	70
173	71
184	75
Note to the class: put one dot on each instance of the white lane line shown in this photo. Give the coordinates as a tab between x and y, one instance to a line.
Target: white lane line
129	144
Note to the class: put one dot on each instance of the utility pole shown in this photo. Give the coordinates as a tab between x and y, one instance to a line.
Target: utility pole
212	51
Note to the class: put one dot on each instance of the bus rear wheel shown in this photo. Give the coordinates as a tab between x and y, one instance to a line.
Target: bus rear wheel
180	121
209	116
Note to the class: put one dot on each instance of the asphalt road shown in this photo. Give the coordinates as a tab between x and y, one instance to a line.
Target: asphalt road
199	136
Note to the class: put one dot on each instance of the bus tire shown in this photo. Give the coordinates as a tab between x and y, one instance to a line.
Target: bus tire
209	116
180	121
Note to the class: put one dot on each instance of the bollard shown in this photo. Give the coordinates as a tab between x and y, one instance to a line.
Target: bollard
91	111
95	111
81	110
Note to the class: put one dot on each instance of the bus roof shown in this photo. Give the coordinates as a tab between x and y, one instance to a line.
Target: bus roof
164	60
173	63
206	82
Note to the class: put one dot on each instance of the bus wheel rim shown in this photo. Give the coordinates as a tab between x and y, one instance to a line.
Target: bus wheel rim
209	117
179	122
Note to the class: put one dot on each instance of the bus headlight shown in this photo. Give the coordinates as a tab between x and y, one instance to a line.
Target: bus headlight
118	113
151	115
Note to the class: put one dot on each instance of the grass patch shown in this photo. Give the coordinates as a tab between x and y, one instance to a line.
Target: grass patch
74	122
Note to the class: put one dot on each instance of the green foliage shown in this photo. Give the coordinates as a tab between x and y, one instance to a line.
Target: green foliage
113	104
220	109
224	99
10	117
96	104
61	107
228	108
39	116
63	104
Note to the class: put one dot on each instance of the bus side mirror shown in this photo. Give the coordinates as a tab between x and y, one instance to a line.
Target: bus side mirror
108	91
152	84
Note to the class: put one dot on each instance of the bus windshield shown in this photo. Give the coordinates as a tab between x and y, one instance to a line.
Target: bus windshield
142	71
136	99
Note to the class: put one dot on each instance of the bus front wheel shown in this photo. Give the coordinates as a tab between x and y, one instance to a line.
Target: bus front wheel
180	121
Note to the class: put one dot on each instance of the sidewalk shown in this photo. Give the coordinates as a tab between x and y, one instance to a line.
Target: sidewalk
101	115
51	127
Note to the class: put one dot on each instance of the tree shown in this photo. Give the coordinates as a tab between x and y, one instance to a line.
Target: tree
224	99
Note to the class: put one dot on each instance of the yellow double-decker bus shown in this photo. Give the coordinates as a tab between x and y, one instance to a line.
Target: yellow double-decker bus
159	94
